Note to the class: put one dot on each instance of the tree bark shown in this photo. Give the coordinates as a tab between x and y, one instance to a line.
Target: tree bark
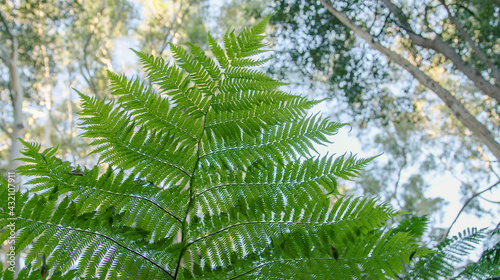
455	106
494	70
438	45
18	128
10	58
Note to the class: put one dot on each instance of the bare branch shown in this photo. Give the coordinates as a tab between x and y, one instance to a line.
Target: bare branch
488	161
5	57
465	205
85	66
400	171
490	201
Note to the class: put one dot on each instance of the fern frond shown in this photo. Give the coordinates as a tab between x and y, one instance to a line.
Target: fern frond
488	265
248	42
147	108
208	63
199	75
174	82
212	174
348	167
252	114
121	143
450	253
140	203
70	238
416	226
280	144
218	52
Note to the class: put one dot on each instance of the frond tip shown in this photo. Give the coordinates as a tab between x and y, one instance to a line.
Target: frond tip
212	174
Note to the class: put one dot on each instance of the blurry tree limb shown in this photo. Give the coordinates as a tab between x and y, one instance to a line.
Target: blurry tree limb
4	23
84	67
442	47
175	25
455	106
5	56
5	129
465	205
400	171
494	70
490	201
485	158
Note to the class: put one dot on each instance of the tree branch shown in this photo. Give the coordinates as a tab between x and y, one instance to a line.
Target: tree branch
5	57
4	128
395	194
465	205
439	45
490	201
174	27
456	107
88	79
494	70
4	22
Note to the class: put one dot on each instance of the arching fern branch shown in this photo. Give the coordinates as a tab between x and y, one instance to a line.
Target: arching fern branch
213	174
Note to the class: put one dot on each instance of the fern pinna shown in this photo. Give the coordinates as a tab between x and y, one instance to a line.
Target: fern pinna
212	174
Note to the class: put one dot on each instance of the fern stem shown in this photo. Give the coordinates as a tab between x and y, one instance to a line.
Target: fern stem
106	237
191	193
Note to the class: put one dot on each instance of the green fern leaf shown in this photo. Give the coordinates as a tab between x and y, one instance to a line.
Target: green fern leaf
212	173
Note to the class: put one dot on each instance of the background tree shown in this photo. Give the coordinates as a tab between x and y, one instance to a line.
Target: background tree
23	50
38	42
170	21
358	47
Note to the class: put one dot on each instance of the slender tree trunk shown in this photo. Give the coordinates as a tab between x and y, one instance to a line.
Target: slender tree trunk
18	129
46	90
455	106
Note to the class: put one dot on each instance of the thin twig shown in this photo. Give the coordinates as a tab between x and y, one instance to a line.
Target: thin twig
490	201
395	194
466	203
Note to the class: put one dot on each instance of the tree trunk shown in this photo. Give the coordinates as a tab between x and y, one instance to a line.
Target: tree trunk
455	106
18	129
